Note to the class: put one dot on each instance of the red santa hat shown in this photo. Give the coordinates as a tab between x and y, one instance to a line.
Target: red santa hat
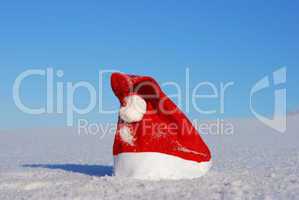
154	139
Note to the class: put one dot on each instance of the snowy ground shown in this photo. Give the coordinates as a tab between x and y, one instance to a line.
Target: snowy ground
253	163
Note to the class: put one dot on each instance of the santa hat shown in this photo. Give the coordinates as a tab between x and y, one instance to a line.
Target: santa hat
154	139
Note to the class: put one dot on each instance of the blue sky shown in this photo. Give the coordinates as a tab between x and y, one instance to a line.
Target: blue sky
219	41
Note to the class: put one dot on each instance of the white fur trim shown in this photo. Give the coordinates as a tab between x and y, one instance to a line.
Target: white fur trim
134	110
157	166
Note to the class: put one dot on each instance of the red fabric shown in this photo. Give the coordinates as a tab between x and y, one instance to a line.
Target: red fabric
167	132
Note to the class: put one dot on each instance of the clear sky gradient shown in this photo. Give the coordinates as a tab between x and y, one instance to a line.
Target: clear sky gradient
219	41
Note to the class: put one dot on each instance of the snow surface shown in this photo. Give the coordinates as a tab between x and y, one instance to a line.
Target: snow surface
253	163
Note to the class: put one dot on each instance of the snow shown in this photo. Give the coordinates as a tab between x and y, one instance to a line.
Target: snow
253	163
126	135
158	166
294	112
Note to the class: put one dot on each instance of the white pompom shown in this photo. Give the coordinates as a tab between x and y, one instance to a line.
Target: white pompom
134	110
